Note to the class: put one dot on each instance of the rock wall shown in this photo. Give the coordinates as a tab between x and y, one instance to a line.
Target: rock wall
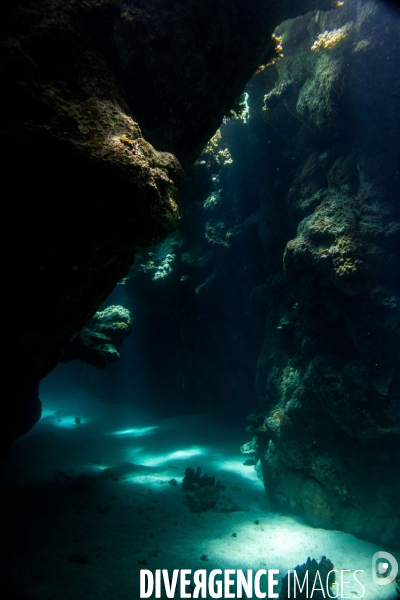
328	374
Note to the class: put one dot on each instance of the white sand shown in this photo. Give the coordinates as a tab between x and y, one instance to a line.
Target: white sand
131	513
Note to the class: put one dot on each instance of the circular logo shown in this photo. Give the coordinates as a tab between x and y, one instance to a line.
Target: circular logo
384	568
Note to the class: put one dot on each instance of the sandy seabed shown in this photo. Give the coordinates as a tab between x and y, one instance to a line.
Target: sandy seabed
88	505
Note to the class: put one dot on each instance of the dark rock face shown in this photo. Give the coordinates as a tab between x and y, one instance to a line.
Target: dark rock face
328	373
85	188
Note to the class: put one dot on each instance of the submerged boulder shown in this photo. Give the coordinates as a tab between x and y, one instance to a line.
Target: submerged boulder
99	342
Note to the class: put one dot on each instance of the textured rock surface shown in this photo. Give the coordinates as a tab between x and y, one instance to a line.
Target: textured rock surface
328	373
85	189
99	342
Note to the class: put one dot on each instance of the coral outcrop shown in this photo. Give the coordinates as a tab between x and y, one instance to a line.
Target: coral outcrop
99	342
206	493
311	579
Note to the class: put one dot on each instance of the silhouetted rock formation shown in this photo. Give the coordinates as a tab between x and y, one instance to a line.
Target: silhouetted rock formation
80	82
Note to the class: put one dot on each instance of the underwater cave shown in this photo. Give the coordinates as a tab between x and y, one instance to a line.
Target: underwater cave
202	212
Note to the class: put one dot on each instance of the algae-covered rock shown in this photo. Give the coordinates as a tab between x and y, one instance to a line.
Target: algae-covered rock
114	321
194	480
328	370
98	343
205	492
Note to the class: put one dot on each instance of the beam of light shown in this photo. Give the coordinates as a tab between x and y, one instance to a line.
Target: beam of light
157	483
136	431
237	467
156	461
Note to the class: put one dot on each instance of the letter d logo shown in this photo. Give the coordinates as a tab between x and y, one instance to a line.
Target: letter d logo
384	568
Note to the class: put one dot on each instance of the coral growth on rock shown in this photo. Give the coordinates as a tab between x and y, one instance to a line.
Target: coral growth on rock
206	493
312	579
329	382
99	342
330	40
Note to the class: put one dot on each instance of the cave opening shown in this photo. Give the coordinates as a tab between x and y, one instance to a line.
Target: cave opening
216	308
